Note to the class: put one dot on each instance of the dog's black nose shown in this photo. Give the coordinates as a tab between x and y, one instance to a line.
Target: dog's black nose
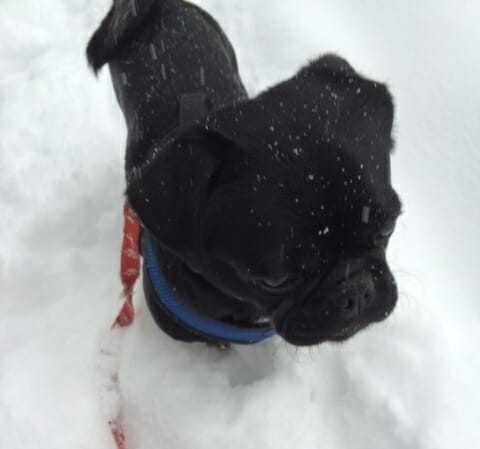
352	296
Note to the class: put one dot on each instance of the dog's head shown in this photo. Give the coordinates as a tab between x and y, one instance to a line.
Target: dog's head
285	202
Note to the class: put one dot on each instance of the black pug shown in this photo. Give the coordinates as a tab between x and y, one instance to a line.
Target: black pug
271	211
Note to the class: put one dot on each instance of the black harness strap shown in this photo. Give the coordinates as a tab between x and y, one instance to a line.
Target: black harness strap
192	111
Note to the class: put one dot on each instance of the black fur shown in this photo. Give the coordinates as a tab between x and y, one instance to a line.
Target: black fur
278	207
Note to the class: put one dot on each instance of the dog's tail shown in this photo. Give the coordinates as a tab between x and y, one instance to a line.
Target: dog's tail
123	19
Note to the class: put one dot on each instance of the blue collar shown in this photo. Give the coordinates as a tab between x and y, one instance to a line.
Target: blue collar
197	323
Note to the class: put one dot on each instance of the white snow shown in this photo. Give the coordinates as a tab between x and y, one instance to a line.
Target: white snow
411	382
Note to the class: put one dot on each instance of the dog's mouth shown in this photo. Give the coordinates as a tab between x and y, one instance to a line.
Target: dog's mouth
313	322
306	334
305	327
339	306
300	326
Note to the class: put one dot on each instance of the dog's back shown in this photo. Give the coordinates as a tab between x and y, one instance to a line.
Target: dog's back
157	51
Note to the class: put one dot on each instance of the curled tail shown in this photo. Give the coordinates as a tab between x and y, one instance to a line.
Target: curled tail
123	19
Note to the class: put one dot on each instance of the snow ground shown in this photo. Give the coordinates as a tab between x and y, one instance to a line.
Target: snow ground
411	382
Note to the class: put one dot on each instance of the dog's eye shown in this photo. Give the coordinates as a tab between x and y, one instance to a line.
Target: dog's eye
278	283
382	236
387	230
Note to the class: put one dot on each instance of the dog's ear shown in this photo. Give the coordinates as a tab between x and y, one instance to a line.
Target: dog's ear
361	113
169	190
326	102
362	109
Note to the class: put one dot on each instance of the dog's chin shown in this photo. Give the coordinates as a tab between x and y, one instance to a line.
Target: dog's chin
304	325
300	332
302	335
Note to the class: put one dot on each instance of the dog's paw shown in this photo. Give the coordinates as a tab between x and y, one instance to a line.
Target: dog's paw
220	345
